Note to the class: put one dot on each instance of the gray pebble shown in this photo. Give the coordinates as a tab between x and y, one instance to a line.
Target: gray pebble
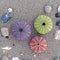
56	58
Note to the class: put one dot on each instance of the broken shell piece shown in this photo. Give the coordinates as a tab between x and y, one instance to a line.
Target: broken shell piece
57	35
58	8
5	32
5	58
48	9
10	10
15	58
6	48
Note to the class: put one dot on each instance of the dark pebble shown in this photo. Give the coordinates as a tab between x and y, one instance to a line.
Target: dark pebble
58	23
57	15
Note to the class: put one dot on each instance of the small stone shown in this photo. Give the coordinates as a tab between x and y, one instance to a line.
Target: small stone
5	58
56	58
48	9
58	8
21	54
58	23
57	35
10	10
4	51
13	44
15	58
7	48
5	32
57	15
7	37
35	55
6	17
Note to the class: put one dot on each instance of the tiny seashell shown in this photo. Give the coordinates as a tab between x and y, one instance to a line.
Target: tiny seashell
48	9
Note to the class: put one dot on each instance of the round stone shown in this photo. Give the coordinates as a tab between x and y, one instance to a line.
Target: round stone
58	8
48	9
57	15
5	58
58	23
56	58
15	58
10	10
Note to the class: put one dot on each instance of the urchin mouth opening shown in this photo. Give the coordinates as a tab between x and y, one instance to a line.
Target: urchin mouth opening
38	44
43	23
20	29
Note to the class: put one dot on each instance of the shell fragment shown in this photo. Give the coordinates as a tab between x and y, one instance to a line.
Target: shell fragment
57	35
48	9
4	31
6	48
15	58
10	10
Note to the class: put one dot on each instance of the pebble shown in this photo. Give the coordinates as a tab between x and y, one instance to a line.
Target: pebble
35	55
21	54
5	32
58	23
15	58
6	48
4	51
5	58
6	17
10	10
57	35
57	15
56	58
58	8
48	9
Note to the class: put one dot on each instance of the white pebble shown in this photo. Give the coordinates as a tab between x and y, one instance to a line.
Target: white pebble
21	54
35	55
7	48
5	58
15	58
58	8
48	9
57	35
4	51
10	10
